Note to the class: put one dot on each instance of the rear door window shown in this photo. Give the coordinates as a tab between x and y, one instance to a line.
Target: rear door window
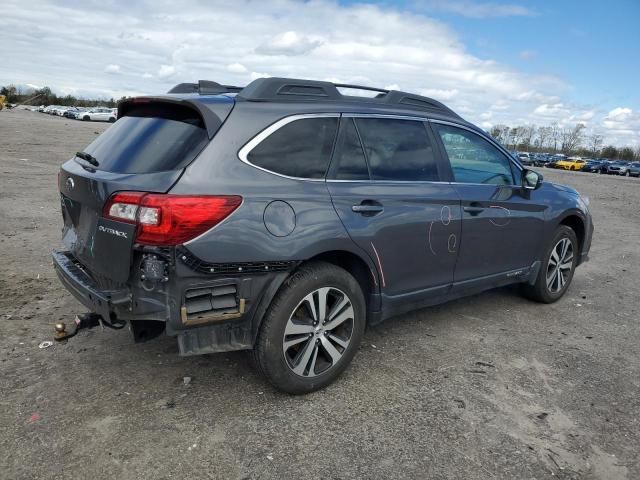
301	148
397	149
150	138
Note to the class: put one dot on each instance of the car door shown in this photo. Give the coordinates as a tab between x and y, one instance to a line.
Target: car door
502	223
101	114
384	182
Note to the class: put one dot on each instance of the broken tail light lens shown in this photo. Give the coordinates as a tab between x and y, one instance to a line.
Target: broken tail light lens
165	219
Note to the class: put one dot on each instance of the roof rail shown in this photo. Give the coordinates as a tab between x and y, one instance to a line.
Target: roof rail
276	89
204	87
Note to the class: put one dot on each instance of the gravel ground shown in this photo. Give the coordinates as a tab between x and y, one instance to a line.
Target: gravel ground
492	386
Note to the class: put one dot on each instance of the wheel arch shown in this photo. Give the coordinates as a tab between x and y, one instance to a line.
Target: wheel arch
577	224
363	271
365	274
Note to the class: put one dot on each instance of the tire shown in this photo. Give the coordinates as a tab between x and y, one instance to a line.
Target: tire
542	291
298	362
86	118
112	119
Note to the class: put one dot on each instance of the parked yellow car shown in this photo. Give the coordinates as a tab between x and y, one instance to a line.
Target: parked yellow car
571	164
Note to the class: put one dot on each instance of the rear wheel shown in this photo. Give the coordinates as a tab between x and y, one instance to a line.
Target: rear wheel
557	268
312	329
112	119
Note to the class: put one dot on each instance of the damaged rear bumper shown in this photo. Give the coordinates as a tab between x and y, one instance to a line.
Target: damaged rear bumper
76	280
207	307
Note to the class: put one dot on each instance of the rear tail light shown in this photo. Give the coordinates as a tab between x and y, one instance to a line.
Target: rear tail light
165	219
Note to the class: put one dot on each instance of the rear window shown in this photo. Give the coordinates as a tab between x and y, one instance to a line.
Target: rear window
150	138
299	149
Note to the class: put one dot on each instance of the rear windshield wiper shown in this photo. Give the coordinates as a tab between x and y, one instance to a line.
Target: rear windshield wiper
88	158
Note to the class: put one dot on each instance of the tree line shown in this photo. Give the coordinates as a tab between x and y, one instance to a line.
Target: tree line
44	96
557	139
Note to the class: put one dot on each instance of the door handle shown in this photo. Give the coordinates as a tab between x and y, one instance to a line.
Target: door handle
368	208
473	210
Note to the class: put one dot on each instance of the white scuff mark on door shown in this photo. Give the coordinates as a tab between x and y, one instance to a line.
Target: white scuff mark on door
429	238
507	218
451	243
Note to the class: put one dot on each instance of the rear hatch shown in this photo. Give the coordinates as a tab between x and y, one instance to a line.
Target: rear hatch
146	150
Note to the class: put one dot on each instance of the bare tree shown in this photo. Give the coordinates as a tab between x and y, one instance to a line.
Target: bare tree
555	136
571	137
495	132
515	136
527	133
501	133
544	135
595	143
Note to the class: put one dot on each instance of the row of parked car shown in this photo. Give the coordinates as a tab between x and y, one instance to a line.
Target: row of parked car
594	165
96	114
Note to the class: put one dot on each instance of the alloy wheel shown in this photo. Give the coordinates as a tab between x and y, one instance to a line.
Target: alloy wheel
318	332
560	265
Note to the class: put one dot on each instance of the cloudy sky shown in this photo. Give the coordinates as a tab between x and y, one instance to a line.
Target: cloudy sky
493	61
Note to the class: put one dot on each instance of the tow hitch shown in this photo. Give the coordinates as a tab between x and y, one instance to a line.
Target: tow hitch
87	320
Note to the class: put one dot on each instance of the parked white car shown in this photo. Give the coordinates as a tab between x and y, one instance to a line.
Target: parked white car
50	109
100	114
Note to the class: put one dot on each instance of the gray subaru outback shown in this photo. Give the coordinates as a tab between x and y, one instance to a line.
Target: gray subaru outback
286	216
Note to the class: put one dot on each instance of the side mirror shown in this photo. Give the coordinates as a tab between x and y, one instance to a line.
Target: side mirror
531	180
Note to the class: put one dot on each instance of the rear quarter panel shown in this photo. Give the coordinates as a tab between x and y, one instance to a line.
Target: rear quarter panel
243	236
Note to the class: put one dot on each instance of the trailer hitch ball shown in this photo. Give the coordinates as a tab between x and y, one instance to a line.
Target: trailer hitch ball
60	327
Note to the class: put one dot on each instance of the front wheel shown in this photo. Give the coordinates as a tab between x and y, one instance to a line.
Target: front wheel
557	268
312	329
86	118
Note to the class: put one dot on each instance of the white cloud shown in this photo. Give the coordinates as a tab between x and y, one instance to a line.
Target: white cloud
256	75
236	68
288	43
500	105
112	68
440	94
623	123
619	114
586	115
551	111
166	71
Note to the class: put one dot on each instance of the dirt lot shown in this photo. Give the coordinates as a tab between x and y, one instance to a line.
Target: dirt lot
492	386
